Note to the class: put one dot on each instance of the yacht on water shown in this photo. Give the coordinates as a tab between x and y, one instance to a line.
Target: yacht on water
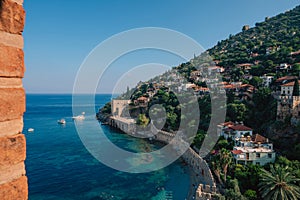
30	130
62	121
79	117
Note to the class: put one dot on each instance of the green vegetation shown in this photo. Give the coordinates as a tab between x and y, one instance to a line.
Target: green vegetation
269	42
170	102
250	194
279	183
236	111
233	193
220	164
261	111
104	112
142	120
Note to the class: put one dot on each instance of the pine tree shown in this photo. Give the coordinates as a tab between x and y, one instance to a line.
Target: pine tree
296	88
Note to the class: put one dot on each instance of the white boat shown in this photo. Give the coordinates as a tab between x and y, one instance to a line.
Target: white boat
79	117
62	121
30	130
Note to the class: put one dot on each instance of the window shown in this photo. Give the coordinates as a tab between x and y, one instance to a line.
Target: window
257	163
257	155
269	155
288	92
241	162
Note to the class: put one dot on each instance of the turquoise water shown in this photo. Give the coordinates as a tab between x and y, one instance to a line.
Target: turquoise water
59	167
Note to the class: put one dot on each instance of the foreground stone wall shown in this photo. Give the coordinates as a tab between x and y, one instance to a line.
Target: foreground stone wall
13	182
198	164
205	192
200	167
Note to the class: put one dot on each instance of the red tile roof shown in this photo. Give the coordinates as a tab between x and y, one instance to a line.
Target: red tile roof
236	152
228	123
229	86
285	78
245	65
290	84
241	128
214	67
258	138
203	89
224	83
247	85
295	53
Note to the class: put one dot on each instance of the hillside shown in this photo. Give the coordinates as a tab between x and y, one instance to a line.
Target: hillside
271	47
255	65
270	42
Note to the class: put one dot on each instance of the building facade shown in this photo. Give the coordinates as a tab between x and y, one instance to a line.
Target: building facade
255	150
233	130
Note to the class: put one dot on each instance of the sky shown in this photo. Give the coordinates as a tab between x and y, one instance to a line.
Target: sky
59	35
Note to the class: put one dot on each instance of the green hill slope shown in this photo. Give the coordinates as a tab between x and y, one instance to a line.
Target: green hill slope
271	42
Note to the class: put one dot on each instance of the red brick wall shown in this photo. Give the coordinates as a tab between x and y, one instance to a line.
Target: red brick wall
13	181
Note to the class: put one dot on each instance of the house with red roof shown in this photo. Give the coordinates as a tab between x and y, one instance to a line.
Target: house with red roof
285	79
287	88
237	131
233	130
141	101
254	149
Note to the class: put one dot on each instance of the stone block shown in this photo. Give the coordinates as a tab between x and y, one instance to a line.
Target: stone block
13	150
11	127
12	17
15	190
12	103
13	40
12	172
11	82
11	61
18	1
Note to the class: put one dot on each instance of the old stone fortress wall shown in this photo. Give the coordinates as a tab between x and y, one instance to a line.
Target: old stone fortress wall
13	182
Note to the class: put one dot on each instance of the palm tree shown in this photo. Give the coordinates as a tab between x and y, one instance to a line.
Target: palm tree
226	160
216	167
279	183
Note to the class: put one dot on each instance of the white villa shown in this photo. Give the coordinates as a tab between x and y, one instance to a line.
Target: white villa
233	130
255	150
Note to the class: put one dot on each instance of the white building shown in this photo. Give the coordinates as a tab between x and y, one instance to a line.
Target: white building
255	150
267	80
224	127
232	130
215	69
287	89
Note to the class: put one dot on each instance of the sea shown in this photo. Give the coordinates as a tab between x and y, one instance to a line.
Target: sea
59	167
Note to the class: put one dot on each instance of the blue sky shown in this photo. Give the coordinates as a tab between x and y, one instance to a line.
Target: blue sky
59	34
